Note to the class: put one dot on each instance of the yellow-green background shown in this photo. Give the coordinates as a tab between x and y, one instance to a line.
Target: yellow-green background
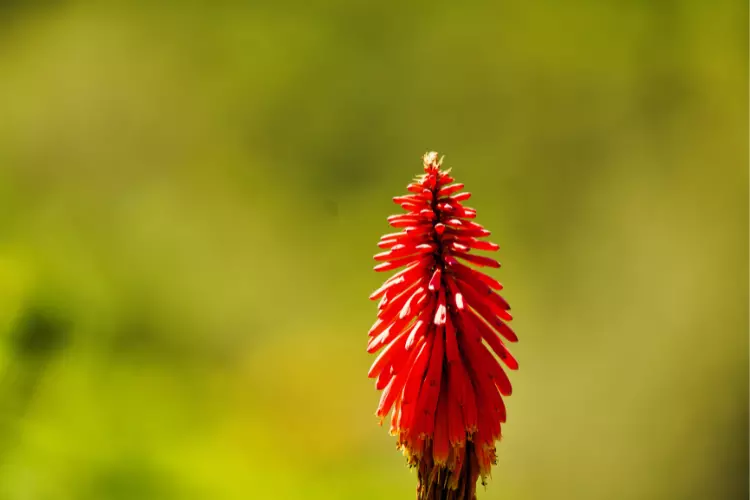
191	192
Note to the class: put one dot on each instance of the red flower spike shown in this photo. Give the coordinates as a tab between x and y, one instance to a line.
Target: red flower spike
440	331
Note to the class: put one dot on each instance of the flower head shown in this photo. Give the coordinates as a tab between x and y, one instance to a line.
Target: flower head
440	331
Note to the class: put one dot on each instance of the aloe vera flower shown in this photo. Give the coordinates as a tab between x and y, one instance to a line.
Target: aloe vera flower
441	330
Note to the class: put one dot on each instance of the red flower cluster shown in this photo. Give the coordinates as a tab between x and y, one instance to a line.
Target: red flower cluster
439	326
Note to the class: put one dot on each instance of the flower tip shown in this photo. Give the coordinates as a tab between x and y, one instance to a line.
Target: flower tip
431	161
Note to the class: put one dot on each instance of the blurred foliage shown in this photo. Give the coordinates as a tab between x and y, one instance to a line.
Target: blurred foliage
190	194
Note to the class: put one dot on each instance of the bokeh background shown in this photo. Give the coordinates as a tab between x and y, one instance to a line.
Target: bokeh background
191	192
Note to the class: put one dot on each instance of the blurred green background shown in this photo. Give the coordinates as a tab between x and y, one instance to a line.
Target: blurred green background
191	192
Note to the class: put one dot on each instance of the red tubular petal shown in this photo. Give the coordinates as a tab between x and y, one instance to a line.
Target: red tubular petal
390	295
462	231
427	214
386	357
493	340
499	377
412	300
441	310
445	178
439	228
386	286
417	332
391	254
413	270
489	401
404	217
384	301
506	332
380	340
385	244
392	331
424	419
475	279
391	236
416	231
491	301
395	264
474	243
389	396
500	305
456	427
455	209
499	301
401	251
395	416
495	322
397	383
424	316
483	245
411	207
412	388
410	198
441	443
469	225
460	196
488	429
448	190
451	342
458	298
466	395
502	414
488	316
456	246
377	327
466	213
426	247
483	361
435	280
385	376
411	222
411	240
479	260
394	305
